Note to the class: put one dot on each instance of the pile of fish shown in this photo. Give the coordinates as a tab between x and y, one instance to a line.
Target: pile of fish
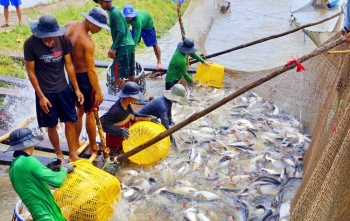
240	162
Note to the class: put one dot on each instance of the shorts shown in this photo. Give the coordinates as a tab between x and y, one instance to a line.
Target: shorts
169	85
62	108
87	90
13	2
123	65
149	36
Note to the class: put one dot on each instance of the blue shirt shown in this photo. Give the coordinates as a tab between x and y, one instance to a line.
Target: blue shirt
161	108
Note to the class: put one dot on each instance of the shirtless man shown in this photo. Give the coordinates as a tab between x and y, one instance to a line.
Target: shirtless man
84	64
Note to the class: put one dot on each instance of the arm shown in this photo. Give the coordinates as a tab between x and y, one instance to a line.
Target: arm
107	121
137	26
41	172
44	102
73	78
92	74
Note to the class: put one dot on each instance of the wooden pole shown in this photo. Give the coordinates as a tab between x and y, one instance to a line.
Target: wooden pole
182	29
226	99
338	52
105	150
24	124
83	147
265	39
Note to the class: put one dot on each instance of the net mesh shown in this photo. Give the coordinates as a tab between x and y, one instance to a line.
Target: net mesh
319	97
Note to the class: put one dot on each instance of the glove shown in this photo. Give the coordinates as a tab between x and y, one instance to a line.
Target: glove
69	167
55	164
154	119
125	134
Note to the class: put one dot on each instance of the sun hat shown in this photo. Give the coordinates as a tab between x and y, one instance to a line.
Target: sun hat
177	93
187	46
103	0
47	27
131	89
129	11
97	16
23	138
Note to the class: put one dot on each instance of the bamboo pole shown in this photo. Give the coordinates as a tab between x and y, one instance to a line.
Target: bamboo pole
24	124
338	52
83	147
225	100
105	150
265	39
182	29
93	157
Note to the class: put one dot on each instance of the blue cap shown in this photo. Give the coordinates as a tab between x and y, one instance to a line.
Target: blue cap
129	11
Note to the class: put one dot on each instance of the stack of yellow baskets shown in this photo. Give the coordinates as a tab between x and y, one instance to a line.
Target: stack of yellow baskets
88	194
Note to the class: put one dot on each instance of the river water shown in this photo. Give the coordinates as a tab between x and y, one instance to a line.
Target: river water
245	21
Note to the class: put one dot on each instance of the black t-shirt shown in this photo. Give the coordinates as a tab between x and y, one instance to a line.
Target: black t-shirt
49	62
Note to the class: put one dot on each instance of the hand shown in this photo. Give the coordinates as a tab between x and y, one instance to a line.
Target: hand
98	98
154	119
69	167
80	97
112	53
55	164
125	134
347	37
195	82
45	104
208	63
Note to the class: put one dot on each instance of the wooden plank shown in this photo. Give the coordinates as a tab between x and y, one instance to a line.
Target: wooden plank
46	146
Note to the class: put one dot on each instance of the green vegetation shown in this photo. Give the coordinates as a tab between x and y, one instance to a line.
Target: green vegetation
164	13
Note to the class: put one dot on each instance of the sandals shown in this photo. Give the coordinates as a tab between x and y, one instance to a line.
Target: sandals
4	25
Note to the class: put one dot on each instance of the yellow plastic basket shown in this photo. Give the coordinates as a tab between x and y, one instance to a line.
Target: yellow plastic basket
212	75
141	132
88	193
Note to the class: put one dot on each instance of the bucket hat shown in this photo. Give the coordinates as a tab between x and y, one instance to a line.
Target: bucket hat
177	93
131	89
129	11
103	0
187	46
23	138
47	27
97	16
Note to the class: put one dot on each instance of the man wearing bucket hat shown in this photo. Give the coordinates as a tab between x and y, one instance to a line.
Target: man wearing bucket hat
46	55
161	107
142	26
30	178
122	50
178	63
84	65
120	116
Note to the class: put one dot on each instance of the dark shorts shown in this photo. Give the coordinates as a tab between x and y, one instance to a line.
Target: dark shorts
13	2
87	90
62	108
124	64
169	85
149	36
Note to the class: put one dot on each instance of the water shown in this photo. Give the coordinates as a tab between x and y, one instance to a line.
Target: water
31	3
246	21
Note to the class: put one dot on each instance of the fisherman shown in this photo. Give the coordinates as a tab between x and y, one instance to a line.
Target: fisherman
142	26
161	107
30	178
178	63
120	116
122	50
84	65
47	55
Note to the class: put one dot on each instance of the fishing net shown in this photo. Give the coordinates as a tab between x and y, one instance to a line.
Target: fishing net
319	97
